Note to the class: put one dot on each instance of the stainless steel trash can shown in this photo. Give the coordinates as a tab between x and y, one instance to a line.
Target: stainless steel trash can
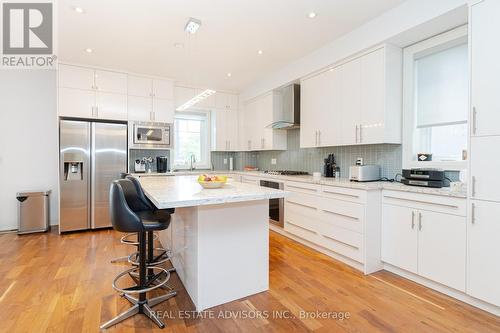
32	212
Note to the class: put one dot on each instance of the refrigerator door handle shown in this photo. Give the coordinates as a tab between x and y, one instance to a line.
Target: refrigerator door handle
92	177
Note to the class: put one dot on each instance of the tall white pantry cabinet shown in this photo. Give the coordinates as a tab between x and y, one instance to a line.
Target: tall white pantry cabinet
483	227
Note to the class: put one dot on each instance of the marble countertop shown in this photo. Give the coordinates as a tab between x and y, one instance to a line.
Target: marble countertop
184	191
342	182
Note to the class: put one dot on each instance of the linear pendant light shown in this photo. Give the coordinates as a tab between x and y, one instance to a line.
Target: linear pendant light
196	99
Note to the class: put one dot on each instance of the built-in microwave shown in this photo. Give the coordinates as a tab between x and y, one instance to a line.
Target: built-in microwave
150	135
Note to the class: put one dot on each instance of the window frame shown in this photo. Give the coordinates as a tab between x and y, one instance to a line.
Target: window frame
432	45
207	144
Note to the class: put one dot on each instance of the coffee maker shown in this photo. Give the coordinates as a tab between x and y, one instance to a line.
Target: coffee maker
161	164
330	166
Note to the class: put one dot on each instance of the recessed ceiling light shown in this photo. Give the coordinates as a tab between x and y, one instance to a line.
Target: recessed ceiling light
312	15
259	52
192	25
79	10
229	74
89	50
178	45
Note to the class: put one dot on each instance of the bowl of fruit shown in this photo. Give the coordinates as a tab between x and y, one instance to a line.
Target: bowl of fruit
207	181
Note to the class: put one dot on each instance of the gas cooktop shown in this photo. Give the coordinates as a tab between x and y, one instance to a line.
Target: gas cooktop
286	173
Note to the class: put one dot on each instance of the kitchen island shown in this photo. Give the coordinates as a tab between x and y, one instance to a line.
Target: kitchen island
219	237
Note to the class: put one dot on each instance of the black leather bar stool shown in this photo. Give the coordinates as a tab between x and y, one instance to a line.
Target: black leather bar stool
163	255
129	238
124	219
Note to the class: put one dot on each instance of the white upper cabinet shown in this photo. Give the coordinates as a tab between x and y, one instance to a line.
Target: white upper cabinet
163	110
226	101
320	95
356	102
111	82
350	109
111	106
259	113
485	68
100	94
77	103
139	86
140	108
76	77
163	89
89	93
150	99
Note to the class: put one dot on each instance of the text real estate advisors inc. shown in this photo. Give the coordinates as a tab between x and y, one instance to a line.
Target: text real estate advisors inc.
254	314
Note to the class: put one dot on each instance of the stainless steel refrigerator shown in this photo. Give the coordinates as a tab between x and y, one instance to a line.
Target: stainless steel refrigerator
92	155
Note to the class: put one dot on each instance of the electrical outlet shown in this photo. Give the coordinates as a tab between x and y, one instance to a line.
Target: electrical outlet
273	161
225	161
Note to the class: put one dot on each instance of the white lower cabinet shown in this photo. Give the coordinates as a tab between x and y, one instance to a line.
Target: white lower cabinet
333	218
399	239
483	251
420	236
442	248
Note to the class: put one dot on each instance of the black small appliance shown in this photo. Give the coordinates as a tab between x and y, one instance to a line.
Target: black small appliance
425	178
330	166
161	164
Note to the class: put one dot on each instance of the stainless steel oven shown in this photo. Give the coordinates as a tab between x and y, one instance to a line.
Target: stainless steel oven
151	135
276	206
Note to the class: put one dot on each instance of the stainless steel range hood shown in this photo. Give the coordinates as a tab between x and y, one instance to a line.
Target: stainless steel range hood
291	109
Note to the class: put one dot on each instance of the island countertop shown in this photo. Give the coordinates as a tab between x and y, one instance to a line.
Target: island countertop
184	191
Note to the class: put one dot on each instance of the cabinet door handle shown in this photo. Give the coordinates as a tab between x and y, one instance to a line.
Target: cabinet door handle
360	133
473	190
413	219
319	138
419	221
473	213
356	133
474	120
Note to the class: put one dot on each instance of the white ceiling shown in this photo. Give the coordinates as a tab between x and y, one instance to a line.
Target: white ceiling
139	36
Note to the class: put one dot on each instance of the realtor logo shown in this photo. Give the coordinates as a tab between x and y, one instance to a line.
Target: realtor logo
27	34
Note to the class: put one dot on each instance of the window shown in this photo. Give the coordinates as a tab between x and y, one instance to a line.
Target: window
436	100
191	138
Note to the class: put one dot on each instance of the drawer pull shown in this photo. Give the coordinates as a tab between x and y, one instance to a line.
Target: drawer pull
422	201
301	205
301	227
302	188
344	194
339	214
343	243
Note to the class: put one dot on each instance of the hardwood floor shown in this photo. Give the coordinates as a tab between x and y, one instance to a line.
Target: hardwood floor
52	283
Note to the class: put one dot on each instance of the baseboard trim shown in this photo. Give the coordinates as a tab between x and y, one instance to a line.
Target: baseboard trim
461	296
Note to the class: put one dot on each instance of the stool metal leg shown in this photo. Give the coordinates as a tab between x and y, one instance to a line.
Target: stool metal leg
157	300
119	259
151	314
121	317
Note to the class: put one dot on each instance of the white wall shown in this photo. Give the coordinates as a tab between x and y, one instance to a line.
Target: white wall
28	139
389	25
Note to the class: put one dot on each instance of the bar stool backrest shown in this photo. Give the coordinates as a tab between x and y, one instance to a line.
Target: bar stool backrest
122	216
